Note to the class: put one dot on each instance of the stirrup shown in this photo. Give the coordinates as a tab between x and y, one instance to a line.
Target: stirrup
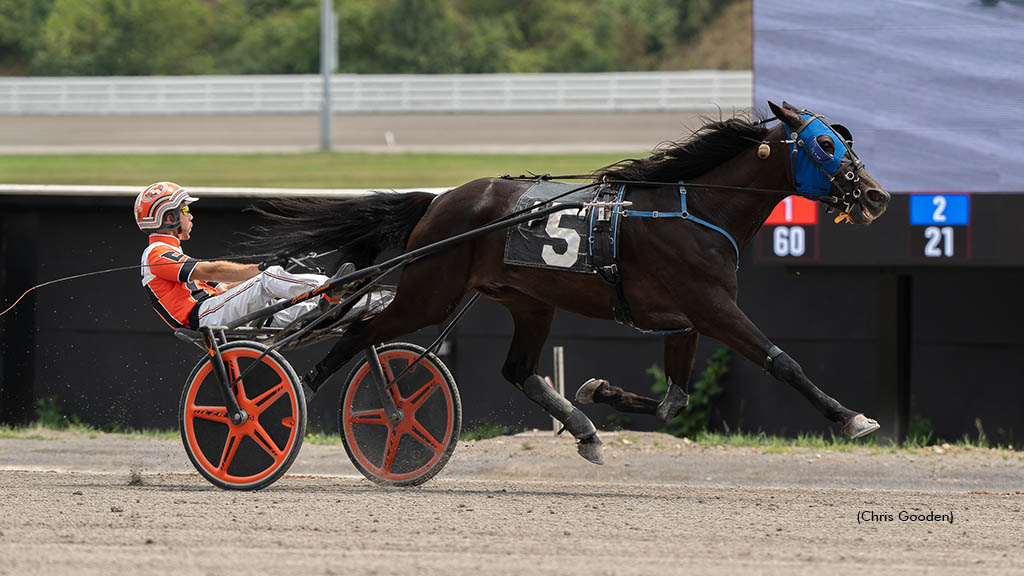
338	293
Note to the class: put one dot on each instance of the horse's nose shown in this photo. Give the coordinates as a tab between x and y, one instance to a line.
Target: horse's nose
876	197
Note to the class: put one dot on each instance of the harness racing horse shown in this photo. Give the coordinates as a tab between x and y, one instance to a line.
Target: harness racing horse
677	276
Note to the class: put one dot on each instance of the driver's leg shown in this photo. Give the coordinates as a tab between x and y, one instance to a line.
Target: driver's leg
258	292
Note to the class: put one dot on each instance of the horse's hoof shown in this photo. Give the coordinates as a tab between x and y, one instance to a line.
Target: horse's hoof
860	425
675	402
590	448
585	393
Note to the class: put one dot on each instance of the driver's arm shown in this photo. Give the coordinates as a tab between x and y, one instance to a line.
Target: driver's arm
223	271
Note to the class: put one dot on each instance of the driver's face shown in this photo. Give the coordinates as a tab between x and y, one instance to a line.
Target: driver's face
186	225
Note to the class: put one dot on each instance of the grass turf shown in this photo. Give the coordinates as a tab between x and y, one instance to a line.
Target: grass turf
311	170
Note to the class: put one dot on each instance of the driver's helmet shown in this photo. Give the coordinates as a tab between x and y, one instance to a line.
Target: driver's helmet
158	200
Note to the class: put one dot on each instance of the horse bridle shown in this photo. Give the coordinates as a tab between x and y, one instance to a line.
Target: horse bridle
834	182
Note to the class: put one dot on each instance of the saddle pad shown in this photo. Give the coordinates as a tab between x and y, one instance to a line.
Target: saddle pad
560	240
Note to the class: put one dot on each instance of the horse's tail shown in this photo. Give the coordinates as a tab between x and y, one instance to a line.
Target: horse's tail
360	227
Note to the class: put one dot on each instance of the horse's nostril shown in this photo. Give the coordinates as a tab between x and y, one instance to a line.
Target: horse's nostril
874	195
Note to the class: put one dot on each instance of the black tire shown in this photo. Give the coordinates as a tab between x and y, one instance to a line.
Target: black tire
258	451
425	439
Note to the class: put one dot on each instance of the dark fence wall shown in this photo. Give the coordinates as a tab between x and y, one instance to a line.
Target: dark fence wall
97	347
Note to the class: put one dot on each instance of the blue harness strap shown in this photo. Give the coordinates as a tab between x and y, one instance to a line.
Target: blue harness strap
683	213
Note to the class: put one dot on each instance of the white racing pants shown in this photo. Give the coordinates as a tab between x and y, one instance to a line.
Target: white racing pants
271	286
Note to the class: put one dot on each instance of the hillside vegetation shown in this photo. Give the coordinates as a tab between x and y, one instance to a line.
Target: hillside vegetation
168	37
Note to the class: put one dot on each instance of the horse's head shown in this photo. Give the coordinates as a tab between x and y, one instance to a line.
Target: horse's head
824	165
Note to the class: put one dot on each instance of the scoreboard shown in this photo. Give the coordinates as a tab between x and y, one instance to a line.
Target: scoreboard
945	139
926	229
793	231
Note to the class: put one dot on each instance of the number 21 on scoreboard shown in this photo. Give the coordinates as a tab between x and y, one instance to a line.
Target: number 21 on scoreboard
940	227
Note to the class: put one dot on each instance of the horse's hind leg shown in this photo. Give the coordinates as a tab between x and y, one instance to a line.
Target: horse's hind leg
532	325
680	350
731	326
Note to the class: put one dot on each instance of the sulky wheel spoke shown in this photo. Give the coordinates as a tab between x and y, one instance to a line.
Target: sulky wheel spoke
232	367
230	447
265	441
420	433
212	413
265	400
391	449
369	417
417	398
388	374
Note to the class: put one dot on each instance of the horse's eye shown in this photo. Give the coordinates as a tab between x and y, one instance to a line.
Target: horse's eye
825	141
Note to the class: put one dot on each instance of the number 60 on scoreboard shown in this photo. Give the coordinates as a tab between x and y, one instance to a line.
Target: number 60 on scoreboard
791	231
940	227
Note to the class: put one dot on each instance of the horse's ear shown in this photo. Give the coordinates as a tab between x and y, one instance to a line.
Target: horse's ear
787	114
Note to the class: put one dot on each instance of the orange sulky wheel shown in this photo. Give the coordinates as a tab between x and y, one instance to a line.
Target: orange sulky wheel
255	453
414	450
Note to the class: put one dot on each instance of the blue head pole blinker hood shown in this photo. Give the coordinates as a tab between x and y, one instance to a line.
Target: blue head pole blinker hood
815	169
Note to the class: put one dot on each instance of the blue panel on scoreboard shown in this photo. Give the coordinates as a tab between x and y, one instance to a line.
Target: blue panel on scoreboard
940	210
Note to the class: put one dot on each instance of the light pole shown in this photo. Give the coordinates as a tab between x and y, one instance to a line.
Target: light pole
328	64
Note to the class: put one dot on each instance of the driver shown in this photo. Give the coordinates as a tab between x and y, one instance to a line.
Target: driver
189	293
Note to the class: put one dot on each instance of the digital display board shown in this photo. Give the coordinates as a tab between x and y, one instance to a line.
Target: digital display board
933	91
934	95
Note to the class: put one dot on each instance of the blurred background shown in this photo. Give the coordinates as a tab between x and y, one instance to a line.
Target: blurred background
910	320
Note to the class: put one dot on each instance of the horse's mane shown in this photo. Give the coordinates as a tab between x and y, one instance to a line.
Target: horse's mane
707	147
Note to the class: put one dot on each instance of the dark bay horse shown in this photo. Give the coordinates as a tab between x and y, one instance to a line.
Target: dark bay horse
675	274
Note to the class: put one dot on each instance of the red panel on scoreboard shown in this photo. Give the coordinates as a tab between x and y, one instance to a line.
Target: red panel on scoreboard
794	210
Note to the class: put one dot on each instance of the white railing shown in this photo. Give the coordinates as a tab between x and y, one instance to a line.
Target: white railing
608	92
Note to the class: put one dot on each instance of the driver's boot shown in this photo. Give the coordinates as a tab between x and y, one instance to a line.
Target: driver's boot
338	293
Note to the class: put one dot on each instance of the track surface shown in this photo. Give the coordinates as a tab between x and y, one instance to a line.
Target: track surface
513	505
472	133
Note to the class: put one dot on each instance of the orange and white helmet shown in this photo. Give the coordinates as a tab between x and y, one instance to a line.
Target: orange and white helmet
158	200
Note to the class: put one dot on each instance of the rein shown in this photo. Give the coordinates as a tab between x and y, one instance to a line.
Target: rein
135	267
829	200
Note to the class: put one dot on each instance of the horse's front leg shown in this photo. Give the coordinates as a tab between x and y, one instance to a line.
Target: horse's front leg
728	324
532	325
680	350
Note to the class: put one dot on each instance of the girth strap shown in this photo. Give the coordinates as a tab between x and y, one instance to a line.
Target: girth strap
604	225
685	215
604	231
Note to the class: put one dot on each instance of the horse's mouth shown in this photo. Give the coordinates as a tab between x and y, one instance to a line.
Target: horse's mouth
863	214
866	214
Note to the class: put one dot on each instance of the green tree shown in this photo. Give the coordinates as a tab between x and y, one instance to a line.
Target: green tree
281	41
20	21
417	36
102	37
124	37
357	36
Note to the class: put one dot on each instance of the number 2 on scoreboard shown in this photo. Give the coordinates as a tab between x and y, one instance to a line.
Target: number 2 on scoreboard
940	209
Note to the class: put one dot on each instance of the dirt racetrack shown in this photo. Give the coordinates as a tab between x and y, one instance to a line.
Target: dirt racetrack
472	133
524	504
